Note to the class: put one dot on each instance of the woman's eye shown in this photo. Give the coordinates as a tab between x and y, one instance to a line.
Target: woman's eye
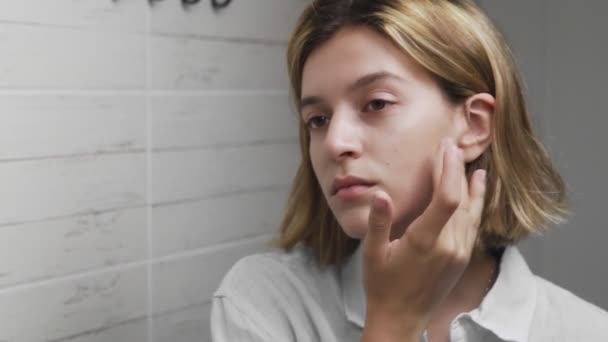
377	104
316	121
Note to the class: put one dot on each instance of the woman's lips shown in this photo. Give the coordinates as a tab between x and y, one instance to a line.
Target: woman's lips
352	192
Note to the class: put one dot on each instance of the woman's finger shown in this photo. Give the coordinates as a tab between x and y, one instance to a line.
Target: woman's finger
379	227
439	162
425	230
477	198
460	218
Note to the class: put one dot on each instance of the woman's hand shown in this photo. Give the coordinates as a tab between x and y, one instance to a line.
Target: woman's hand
407	278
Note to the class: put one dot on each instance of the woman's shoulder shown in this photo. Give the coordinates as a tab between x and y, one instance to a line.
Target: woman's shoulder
276	296
574	316
272	271
565	301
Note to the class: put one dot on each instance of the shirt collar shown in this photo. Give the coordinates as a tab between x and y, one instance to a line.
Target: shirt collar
506	310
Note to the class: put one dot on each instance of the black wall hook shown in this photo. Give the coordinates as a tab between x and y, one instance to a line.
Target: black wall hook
219	4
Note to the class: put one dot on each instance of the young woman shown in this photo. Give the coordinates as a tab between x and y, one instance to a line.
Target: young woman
419	174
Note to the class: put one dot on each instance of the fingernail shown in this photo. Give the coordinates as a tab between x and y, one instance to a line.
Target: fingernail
446	143
379	202
456	151
459	153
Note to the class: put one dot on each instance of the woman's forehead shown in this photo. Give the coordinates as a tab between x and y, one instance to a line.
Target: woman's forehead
355	56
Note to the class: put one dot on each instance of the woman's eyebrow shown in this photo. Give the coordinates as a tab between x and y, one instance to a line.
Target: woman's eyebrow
361	82
373	77
309	101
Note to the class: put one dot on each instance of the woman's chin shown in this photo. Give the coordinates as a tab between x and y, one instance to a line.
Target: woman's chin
354	223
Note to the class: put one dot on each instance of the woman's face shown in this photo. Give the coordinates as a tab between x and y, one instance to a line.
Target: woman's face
374	114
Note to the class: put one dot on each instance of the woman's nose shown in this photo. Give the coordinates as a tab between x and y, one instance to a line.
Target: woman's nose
343	138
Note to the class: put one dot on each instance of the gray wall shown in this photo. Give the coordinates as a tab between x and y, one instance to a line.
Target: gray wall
562	48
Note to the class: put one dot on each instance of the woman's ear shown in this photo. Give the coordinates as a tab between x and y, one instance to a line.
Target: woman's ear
477	134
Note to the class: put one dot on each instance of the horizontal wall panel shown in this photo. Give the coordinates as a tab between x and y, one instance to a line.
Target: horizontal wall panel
193	225
41	189
60	309
135	330
48	249
106	15
189	63
185	325
194	174
35	126
183	121
43	58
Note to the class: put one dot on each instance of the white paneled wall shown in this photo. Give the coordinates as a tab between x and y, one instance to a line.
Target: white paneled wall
75	45
144	148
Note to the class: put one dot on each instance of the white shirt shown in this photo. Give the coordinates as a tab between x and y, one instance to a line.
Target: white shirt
282	297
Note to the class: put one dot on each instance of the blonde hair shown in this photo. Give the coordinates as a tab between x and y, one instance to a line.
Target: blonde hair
457	44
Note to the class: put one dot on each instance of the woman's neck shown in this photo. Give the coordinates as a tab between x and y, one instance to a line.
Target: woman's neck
470	290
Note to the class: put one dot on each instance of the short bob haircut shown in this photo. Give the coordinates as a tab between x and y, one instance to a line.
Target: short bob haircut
460	48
